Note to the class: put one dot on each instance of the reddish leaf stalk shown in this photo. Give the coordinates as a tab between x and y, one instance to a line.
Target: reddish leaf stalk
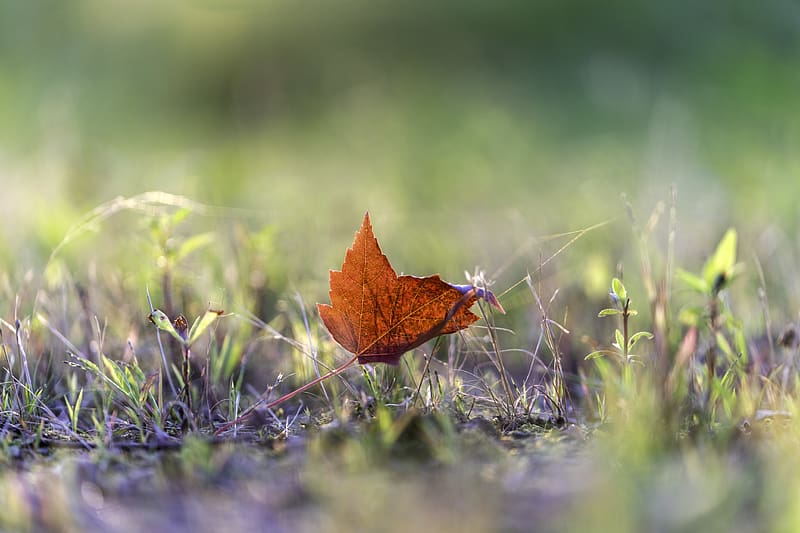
288	396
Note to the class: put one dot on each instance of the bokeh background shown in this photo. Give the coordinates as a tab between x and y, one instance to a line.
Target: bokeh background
474	134
479	136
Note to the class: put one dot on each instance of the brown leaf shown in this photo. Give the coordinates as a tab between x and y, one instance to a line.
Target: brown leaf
379	316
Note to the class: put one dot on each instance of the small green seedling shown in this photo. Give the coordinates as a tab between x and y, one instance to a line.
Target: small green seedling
715	315
623	341
179	329
718	270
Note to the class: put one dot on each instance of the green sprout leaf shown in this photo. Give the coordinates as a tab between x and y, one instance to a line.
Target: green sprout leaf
740	342
193	244
598	354
725	346
696	283
619	290
608	312
620	339
636	360
162	322
202	323
636	336
720	266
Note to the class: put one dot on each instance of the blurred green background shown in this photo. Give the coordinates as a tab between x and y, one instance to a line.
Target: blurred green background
477	134
464	127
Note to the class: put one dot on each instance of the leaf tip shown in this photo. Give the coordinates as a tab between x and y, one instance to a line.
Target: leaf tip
492	299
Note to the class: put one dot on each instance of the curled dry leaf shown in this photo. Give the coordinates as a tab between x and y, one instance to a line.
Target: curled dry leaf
378	316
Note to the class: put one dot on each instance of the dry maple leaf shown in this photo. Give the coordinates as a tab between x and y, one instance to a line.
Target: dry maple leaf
378	315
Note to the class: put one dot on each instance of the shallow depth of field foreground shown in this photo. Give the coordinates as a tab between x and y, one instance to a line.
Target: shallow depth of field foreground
409	267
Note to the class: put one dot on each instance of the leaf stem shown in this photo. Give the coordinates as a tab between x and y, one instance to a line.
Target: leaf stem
288	396
625	315
187	375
